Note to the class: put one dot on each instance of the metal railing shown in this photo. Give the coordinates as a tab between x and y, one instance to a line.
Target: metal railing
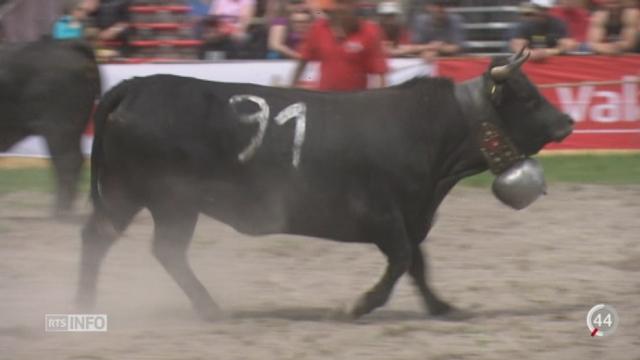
483	9
489	26
486	44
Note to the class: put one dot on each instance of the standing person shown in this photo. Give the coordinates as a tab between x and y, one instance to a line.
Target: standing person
216	42
576	18
70	25
395	36
614	28
232	18
546	35
112	19
437	32
199	8
286	32
112	22
636	5
199	11
347	47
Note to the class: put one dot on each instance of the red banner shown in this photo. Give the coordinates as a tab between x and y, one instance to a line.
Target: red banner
607	115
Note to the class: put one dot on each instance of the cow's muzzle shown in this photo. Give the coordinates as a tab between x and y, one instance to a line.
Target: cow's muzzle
565	130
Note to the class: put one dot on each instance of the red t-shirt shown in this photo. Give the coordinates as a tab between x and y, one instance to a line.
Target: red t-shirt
344	64
576	19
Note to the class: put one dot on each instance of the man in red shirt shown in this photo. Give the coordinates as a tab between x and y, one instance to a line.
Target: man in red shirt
347	48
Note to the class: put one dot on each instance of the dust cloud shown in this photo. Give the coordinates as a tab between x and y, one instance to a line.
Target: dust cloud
527	277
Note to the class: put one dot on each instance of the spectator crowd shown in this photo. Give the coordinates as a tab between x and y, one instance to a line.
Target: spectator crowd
350	37
611	27
276	29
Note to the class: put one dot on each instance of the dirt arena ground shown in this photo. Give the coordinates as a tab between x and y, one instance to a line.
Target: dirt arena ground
528	278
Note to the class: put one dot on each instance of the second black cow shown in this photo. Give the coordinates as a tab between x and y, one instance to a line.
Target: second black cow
48	88
369	166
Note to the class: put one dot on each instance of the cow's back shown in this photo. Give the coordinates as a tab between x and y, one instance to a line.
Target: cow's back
49	88
160	111
189	133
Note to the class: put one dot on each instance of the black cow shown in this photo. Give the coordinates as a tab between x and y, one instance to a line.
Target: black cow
48	88
369	166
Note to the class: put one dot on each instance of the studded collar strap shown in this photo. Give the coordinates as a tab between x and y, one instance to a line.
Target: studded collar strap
476	98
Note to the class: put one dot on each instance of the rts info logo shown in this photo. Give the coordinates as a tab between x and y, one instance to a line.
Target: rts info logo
75	322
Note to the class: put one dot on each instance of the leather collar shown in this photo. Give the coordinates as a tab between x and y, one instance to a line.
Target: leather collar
477	99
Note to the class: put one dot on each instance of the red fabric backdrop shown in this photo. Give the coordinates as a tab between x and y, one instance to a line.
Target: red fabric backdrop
607	116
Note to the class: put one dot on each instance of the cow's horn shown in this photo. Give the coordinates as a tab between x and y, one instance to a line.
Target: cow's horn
501	73
517	56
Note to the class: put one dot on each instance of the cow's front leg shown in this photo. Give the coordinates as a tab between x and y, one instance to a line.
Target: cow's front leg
174	226
418	272
398	252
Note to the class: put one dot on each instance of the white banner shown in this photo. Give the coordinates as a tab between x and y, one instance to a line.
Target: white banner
267	72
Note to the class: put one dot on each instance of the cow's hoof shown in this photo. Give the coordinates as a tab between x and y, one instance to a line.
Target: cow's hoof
440	308
211	314
444	311
342	314
368	302
456	315
362	307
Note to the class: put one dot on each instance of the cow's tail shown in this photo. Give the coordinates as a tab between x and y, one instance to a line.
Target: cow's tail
91	71
107	105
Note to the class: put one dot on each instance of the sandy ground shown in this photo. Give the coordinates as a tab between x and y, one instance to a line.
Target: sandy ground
528	278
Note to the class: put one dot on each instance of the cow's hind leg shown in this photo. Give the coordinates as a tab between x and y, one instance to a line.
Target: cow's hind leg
98	235
67	162
398	253
173	231
418	272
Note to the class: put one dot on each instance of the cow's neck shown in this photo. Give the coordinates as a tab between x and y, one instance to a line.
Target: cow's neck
474	97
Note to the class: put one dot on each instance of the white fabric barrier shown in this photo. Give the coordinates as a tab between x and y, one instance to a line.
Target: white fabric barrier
267	72
273	73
